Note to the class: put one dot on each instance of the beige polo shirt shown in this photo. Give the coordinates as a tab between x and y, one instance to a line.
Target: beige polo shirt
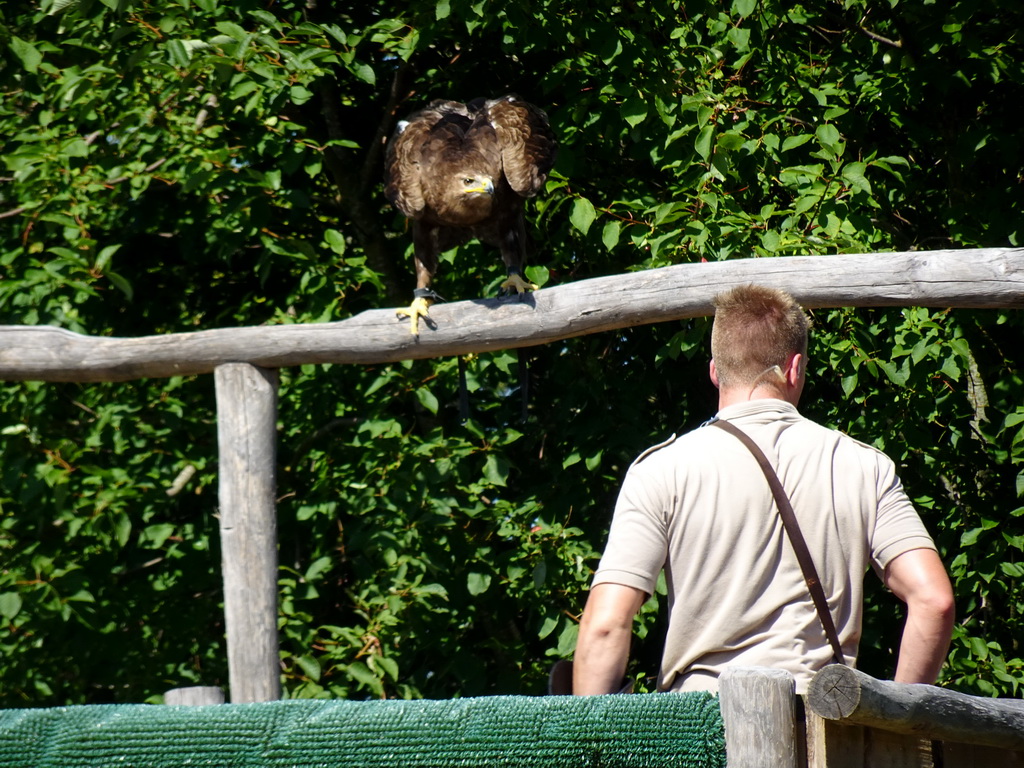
700	507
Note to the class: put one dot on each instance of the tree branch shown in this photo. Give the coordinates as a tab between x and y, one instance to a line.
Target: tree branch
879	38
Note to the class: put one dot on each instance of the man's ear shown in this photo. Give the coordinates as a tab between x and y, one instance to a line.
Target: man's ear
713	372
795	369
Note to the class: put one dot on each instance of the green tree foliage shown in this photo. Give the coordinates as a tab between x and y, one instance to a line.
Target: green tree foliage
176	165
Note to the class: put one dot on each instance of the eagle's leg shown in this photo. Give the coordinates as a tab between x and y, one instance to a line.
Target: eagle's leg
424	240
517	283
420	307
513	253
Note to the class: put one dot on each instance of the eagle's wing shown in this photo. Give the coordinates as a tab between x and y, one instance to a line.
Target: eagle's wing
527	143
404	172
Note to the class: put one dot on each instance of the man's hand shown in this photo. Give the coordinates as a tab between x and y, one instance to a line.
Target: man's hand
919	579
606	630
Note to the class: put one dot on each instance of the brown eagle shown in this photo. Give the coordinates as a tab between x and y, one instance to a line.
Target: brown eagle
462	171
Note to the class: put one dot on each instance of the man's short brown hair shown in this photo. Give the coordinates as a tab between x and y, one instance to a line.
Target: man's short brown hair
755	328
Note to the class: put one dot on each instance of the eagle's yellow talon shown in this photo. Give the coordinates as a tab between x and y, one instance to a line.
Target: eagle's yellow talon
517	283
419	308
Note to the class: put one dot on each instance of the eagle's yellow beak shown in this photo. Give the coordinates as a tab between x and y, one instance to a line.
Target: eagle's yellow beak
478	186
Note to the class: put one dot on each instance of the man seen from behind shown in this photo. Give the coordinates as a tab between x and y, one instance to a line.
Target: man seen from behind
699	508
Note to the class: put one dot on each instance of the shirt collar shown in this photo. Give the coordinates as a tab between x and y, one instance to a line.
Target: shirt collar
766	409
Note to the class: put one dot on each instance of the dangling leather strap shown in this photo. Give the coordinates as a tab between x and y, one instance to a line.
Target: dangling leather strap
796	538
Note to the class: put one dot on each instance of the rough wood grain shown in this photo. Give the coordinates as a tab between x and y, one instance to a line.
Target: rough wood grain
976	756
885	749
194	696
246	434
969	278
759	711
842	693
831	745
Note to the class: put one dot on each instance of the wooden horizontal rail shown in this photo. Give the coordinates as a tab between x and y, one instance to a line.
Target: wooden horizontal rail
983	278
846	695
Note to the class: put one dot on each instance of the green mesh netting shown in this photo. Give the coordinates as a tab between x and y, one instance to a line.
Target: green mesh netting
643	731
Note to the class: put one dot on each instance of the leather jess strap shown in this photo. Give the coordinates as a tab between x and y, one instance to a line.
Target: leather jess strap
796	537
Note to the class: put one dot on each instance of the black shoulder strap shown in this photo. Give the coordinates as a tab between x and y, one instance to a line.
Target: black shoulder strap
796	538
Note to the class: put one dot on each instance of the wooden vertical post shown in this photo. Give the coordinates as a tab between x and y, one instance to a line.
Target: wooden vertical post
246	434
759	710
194	696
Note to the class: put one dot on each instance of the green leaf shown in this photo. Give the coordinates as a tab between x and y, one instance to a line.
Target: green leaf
979	648
951	368
896	374
567	639
443	10
1013	570
381	381
121	284
634	111
318	567
504	361
538	275
27	54
853	173
364	72
610	234
583	214
104	257
496	469
704	141
743	8
740	37
771	241
388	666
180	56
427	399
969	538
310	666
122	529
792	142
232	30
806	203
59	6
478	583
731	140
300	94
828	136
540	574
335	241
10	604
158	534
361	673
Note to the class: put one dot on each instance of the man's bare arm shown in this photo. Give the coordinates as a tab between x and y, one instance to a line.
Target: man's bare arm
606	629
919	579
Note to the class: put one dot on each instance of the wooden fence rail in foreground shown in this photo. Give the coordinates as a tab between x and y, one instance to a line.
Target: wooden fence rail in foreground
985	278
846	695
852	720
